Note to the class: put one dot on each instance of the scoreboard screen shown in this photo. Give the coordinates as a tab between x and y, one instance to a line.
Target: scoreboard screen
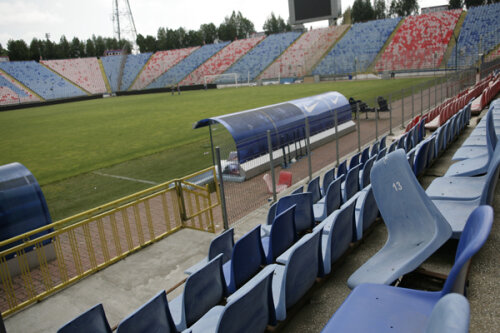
302	11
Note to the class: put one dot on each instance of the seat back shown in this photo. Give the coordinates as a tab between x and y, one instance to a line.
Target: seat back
421	129
203	290
365	155
340	231
248	256
440	144
401	142
420	159
328	178
476	231
382	142
409	214
251	308
382	103
304	216
365	175
314	188
153	316
374	149
431	150
342	169
351	182
365	213
282	234
302	268
491	137
354	161
285	178
298	190
271	213
492	175
224	244
451	314
92	320
393	146
381	153
333	195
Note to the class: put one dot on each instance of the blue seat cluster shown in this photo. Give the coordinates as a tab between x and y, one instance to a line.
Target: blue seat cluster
358	48
41	80
178	72
133	66
479	34
6	83
263	54
112	66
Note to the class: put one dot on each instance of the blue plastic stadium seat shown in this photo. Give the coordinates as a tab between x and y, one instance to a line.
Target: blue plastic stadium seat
375	149
304	216
330	202
381	153
314	188
298	190
296	272
421	156
351	184
281	236
246	260
383	142
364	174
354	161
365	155
328	177
342	169
250	309
365	213
223	243
337	233
153	316
93	320
415	226
393	146
387	308
203	290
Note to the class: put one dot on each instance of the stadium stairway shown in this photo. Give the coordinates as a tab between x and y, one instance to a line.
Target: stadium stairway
151	269
104	77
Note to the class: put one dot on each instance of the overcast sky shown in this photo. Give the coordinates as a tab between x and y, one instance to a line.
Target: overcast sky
26	19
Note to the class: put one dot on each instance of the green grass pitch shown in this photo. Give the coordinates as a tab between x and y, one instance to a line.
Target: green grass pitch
147	137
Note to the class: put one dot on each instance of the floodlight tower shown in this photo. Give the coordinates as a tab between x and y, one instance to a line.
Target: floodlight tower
123	22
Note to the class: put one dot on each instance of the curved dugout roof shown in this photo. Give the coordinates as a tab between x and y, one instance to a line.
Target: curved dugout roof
286	121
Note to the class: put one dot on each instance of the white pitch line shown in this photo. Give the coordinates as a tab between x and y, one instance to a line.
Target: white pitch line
126	178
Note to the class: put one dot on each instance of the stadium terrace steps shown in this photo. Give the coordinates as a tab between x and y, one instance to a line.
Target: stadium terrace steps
158	64
84	72
304	53
41	80
104	77
420	42
371	68
178	72
12	92
112	66
479	34
133	66
262	55
357	49
221	61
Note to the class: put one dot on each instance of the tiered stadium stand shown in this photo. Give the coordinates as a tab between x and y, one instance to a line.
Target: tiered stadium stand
420	42
84	72
479	34
222	60
302	55
12	93
186	66
111	66
358	48
133	66
159	63
257	59
41	80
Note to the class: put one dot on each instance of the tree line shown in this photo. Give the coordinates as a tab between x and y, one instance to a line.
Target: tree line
234	26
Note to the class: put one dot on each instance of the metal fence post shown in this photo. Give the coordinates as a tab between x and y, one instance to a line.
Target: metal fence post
271	163
308	149
359	127
390	114
402	109
221	184
337	153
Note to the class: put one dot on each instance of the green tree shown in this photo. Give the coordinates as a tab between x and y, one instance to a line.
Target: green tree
99	45
455	4
146	44
76	48
63	51
90	48
379	9
403	8
18	50
193	38
2	51
473	3
362	11
235	27
275	25
208	32
346	17
49	49
35	49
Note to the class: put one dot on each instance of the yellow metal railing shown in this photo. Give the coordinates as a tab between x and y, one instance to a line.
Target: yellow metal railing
34	267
